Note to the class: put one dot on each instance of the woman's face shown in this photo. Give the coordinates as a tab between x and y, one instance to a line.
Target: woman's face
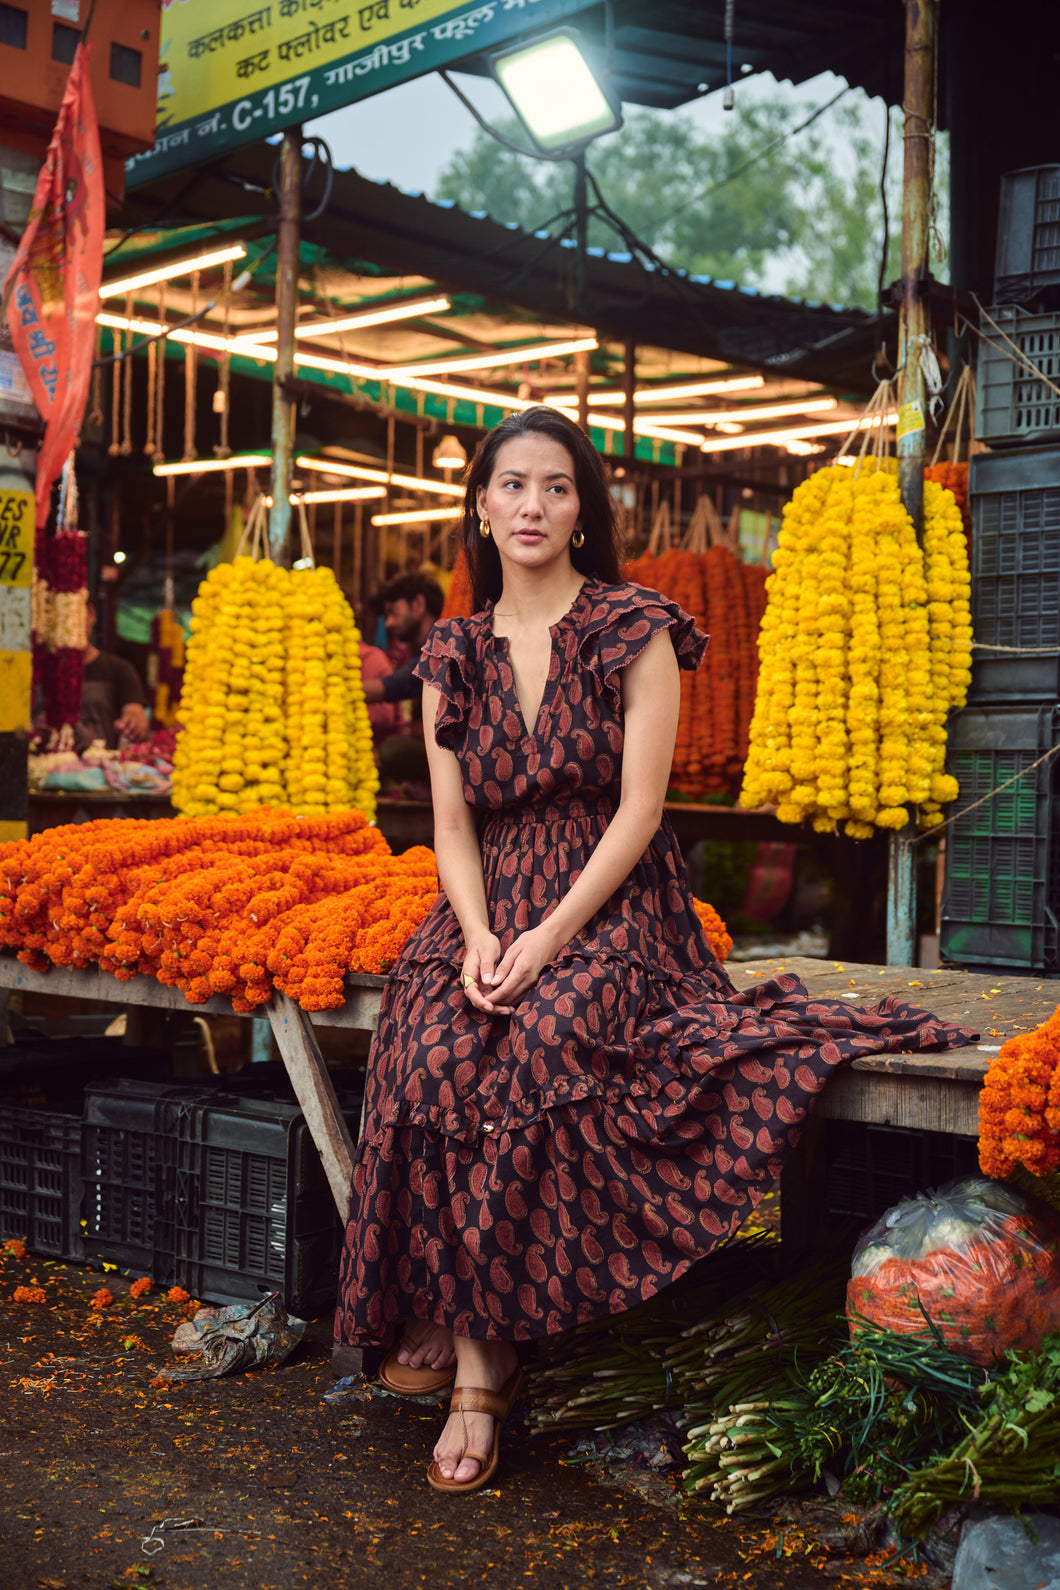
531	501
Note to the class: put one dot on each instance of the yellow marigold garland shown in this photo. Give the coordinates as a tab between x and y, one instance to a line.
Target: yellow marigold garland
1019	1106
863	650
272	709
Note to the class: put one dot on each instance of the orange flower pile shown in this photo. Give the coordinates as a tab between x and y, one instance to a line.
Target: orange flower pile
1019	1106
16	1247
103	1298
231	904
714	928
995	1294
727	599
141	1287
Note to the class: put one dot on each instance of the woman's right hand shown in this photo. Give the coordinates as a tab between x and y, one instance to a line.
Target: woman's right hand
476	973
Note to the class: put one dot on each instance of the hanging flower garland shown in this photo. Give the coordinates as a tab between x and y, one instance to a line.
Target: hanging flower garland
273	708
863	650
59	612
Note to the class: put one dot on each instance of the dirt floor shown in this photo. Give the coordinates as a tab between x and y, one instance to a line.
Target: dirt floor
110	1477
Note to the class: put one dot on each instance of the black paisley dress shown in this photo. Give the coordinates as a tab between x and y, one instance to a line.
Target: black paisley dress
519	1175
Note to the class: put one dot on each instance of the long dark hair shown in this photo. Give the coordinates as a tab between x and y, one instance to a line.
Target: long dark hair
600	553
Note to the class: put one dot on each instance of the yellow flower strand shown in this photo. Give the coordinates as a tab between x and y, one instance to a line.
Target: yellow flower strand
864	648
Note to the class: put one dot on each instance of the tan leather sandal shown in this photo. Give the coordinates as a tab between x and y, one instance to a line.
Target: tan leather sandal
475	1399
408	1382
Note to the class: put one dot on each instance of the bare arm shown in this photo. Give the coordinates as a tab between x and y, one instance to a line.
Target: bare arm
459	858
651	701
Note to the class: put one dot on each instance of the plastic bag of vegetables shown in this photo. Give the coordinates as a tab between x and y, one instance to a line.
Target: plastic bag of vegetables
977	1259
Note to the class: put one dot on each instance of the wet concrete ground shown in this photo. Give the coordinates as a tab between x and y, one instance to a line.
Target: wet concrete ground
255	1482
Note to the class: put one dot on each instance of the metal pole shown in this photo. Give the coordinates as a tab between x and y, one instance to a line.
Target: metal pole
629	381
918	102
283	408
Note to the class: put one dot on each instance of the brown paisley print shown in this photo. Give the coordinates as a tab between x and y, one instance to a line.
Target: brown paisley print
520	1175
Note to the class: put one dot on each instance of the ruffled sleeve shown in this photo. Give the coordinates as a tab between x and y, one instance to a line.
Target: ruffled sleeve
447	663
621	621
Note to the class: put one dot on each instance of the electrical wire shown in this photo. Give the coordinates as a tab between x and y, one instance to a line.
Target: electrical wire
886	212
760	154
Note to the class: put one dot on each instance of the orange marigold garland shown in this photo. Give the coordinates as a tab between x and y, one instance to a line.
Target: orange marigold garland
726	597
1019	1106
203	904
238	904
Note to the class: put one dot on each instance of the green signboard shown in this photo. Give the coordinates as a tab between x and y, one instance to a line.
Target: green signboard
233	71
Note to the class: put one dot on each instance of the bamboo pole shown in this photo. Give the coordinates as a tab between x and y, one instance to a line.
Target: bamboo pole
918	103
283	408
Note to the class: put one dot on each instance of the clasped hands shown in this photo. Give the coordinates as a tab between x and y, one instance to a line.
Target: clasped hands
494	983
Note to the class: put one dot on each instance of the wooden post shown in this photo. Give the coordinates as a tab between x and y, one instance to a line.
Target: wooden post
918	102
629	382
286	315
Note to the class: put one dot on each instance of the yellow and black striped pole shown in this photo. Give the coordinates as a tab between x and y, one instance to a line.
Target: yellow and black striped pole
16	657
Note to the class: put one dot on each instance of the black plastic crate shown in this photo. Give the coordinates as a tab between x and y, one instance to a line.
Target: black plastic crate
40	1180
1027	262
1012	404
223	1195
1015	501
999	897
130	1163
870	1168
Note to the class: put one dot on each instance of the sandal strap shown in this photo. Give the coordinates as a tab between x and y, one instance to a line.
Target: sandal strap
474	1399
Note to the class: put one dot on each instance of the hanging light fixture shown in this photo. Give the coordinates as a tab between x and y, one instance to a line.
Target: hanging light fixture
555	92
449	454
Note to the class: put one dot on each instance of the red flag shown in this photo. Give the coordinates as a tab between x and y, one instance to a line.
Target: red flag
54	280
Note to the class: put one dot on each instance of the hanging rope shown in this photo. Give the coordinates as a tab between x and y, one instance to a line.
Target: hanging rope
961	408
127	364
160	389
152	361
95	415
224	373
115	396
872	428
189	381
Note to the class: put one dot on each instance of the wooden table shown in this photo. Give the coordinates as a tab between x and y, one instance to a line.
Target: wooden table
935	1092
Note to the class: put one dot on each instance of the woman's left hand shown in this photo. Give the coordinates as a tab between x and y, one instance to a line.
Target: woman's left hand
518	969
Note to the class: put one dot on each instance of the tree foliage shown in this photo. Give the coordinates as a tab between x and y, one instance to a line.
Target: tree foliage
763	204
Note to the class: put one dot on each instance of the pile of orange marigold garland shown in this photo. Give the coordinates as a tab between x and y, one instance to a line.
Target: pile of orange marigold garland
727	599
1019	1106
229	904
236	905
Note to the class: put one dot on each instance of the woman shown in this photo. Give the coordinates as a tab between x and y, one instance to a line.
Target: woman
569	1103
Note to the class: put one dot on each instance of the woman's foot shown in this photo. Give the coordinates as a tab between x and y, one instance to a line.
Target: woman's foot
426	1346
487	1366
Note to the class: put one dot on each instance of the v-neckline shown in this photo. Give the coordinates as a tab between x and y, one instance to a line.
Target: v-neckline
544	705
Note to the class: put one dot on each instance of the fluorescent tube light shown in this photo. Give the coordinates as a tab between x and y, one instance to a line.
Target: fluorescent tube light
206	466
723	444
165	273
416	516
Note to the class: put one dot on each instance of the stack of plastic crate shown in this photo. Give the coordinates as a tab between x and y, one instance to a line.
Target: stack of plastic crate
221	1193
1001	898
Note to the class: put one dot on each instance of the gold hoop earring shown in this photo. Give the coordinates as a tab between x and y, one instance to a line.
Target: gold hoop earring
577	540
484	529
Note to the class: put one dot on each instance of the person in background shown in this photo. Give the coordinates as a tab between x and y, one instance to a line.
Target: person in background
113	700
384	716
410	605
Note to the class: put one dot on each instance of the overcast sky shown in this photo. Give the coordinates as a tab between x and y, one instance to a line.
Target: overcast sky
407	135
